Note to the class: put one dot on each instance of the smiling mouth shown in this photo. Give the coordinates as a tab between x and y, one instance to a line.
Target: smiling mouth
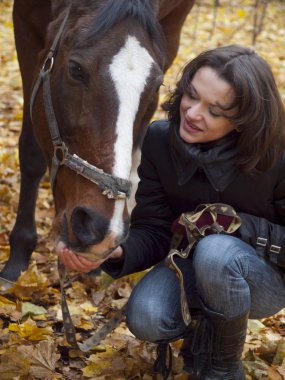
190	127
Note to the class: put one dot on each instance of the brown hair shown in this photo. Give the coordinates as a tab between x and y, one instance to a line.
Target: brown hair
260	118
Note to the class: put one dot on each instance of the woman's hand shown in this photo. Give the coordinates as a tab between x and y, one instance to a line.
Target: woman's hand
80	264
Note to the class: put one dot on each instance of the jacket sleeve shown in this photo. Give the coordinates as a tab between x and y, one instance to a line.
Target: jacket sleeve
264	235
151	219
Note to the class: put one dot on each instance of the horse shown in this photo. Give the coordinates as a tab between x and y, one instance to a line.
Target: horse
91	73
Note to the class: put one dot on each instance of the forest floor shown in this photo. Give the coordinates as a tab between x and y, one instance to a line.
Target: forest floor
32	344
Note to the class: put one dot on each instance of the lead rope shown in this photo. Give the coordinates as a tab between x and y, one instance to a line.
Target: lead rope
69	328
161	366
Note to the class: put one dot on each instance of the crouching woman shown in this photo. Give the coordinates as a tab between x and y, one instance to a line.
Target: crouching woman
223	142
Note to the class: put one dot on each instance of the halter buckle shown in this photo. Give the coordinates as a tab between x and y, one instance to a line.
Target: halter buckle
60	152
110	194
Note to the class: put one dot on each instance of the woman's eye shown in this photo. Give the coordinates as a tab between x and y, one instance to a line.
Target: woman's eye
76	71
214	113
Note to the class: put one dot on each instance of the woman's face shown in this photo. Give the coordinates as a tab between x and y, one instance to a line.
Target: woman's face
201	108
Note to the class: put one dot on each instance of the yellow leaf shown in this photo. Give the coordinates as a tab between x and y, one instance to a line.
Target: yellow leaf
85	325
108	352
29	282
29	330
241	13
5	301
9	24
30	308
96	368
89	308
4	253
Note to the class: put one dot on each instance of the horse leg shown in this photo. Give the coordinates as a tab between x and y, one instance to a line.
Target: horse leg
30	22
23	238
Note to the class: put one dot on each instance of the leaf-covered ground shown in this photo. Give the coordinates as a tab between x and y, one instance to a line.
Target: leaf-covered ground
32	344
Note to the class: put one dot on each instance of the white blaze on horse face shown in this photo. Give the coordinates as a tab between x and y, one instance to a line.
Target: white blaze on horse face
130	69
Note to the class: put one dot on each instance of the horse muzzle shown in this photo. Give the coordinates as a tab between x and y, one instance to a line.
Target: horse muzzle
88	234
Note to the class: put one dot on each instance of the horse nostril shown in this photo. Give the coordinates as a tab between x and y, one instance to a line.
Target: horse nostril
88	226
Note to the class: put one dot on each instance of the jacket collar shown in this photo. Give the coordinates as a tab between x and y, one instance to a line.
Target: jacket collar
217	158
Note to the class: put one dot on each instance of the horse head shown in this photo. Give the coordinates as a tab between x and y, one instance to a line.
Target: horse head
90	70
103	67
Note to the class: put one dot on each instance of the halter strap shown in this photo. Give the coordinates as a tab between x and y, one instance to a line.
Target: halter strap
49	59
112	187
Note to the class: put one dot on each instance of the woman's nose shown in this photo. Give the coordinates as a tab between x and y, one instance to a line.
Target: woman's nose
194	111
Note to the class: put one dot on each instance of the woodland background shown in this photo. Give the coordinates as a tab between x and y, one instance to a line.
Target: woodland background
32	345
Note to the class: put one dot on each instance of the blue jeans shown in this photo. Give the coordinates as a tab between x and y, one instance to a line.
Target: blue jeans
224	272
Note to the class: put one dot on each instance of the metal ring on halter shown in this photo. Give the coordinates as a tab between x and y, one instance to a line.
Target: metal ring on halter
48	63
60	151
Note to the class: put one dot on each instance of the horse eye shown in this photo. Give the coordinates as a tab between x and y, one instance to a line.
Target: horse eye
76	72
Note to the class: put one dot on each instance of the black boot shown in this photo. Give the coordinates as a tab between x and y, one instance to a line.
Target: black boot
227	346
196	347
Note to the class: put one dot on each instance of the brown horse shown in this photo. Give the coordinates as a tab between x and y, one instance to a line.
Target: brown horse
91	71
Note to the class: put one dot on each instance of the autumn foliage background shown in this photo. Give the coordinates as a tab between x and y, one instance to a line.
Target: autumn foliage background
32	343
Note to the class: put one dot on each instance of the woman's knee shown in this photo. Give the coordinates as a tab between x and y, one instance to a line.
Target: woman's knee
146	319
221	266
153	310
216	251
219	258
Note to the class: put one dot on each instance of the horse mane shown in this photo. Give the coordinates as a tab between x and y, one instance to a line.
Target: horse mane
113	12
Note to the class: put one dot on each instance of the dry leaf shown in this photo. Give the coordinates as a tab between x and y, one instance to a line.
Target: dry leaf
29	330
128	357
12	364
29	282
43	360
29	308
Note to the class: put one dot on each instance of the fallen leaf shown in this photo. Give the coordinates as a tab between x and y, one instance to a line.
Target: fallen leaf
29	330
273	374
29	282
43	359
29	308
13	365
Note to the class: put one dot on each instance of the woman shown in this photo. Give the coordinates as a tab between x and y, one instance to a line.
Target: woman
223	142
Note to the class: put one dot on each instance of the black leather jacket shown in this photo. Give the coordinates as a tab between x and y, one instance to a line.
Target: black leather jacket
176	177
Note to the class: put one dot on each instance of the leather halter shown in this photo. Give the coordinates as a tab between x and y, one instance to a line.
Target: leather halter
111	186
